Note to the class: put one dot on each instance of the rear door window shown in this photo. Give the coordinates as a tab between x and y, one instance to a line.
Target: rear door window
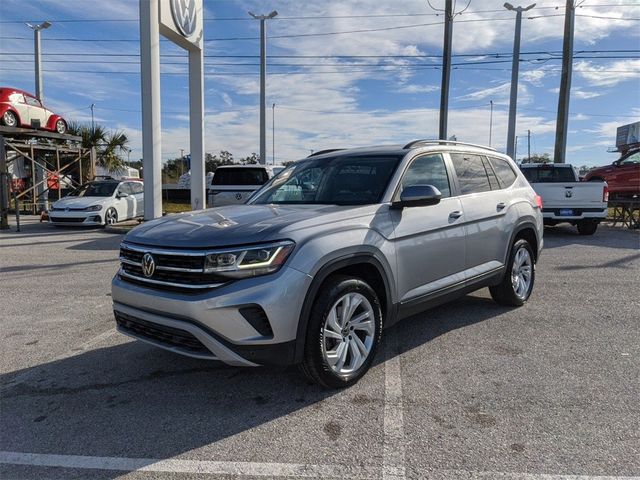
472	176
240	176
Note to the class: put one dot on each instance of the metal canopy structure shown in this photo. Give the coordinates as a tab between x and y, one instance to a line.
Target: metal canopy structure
48	162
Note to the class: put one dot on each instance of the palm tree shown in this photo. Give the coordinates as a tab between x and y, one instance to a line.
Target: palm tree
110	145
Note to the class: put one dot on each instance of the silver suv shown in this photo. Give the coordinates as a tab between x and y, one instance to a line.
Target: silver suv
325	255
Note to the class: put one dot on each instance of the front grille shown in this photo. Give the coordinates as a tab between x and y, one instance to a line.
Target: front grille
170	336
67	219
175	270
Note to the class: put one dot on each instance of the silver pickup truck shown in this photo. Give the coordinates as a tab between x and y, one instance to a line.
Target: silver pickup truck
565	198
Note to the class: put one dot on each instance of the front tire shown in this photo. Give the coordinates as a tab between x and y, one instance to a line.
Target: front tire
343	333
110	217
516	286
587	227
61	126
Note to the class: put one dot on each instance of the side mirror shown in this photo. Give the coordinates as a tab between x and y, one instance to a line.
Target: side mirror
122	195
418	196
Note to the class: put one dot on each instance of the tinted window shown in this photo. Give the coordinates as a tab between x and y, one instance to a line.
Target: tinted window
503	170
633	158
96	189
472	176
428	170
240	176
126	188
549	174
339	180
493	179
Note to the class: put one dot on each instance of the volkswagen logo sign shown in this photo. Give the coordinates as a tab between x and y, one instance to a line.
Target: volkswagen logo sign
148	265
184	16
238	196
568	193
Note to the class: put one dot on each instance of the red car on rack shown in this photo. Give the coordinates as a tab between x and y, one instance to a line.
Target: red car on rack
21	109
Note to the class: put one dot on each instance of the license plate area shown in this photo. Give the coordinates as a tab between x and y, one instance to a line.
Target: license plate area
566	212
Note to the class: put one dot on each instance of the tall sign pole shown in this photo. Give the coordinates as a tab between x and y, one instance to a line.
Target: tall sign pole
562	122
181	22
263	78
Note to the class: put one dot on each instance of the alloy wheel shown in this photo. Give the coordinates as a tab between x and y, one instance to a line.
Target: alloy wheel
348	333
521	273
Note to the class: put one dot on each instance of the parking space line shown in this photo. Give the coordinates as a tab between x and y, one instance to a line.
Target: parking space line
393	453
471	475
211	467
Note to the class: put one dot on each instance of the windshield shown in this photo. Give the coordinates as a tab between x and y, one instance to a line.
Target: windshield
547	174
240	176
97	189
343	180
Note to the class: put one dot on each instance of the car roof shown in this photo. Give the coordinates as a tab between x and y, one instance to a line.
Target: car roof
403	150
10	90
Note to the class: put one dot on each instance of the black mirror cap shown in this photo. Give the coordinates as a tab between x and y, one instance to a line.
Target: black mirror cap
418	196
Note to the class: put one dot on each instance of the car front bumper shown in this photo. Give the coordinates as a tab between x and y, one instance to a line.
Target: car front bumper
76	218
211	325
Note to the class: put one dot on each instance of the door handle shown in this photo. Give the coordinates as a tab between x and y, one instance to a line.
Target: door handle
500	206
456	214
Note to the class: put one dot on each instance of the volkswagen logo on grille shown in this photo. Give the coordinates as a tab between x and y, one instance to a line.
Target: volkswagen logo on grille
148	265
184	16
238	196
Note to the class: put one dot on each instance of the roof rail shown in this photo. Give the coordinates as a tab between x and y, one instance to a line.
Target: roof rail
416	143
322	152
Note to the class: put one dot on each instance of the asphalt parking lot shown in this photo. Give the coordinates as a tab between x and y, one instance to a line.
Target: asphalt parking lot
469	390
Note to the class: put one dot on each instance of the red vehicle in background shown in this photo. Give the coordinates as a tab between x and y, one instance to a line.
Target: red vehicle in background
622	176
21	109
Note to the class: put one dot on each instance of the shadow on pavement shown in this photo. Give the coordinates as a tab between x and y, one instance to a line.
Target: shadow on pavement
134	400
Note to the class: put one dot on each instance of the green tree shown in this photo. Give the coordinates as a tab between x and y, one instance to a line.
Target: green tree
111	146
537	158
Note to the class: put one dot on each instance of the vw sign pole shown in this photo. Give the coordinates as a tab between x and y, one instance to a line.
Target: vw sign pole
181	22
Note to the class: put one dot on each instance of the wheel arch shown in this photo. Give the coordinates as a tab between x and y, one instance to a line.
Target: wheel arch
360	265
53	119
528	232
8	108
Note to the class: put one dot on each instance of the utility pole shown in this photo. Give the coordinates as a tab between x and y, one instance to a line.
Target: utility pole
515	149
490	121
273	134
529	146
446	69
263	73
38	58
515	66
92	125
181	161
562	121
4	188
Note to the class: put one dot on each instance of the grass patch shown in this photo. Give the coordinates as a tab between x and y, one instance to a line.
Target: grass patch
176	207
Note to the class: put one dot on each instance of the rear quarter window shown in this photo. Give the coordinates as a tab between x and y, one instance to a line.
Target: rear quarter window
504	172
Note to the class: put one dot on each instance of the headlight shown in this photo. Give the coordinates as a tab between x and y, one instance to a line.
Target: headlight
93	208
249	261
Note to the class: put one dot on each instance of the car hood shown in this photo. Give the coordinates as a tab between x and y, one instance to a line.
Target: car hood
241	224
80	202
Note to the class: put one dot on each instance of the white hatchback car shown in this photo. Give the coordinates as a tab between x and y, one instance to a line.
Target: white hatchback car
233	184
99	203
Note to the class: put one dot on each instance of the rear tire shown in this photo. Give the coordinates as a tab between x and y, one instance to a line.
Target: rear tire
587	227
61	126
517	284
343	333
10	119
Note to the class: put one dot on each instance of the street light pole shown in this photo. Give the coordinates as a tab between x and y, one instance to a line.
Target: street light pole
263	74
273	133
38	58
490	121
513	100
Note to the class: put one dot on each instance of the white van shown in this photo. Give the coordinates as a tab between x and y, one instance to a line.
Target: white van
232	184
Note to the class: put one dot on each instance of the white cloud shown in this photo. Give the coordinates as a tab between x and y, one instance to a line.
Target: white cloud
610	74
418	88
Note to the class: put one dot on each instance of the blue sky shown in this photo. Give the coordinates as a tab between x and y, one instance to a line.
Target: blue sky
377	85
